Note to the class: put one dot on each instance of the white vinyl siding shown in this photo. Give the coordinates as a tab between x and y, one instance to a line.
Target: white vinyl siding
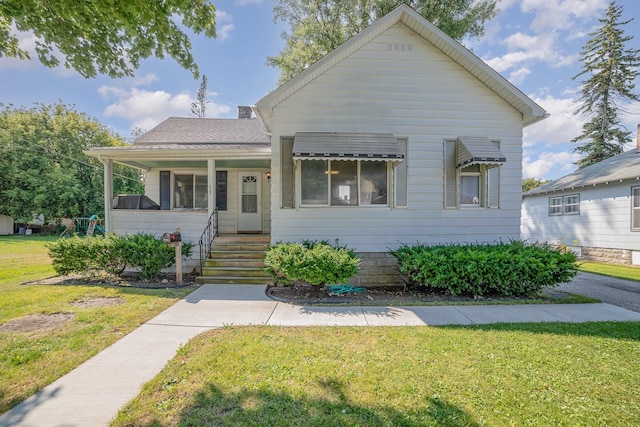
419	95
605	219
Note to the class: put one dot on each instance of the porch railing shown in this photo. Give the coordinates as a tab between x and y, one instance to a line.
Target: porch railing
206	238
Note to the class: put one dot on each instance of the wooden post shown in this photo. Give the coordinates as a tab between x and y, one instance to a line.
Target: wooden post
178	246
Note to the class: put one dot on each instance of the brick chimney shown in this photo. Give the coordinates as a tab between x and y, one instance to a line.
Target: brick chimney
244	112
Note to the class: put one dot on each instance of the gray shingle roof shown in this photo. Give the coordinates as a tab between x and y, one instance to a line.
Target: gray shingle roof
187	130
617	168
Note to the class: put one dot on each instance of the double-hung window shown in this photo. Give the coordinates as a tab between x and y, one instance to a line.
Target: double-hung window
343	182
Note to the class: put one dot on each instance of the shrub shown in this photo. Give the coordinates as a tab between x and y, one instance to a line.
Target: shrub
513	269
317	263
113	254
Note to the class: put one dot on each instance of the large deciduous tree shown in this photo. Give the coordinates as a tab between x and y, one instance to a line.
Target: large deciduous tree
611	69
106	37
44	169
316	27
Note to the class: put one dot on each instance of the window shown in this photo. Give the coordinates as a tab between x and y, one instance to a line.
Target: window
555	205
564	205
343	183
635	208
475	184
190	191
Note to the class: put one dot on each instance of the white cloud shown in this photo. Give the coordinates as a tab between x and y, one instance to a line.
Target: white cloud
224	25
247	2
549	164
561	14
559	128
146	108
26	42
519	75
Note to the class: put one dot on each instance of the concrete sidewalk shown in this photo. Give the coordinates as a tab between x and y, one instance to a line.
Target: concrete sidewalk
92	394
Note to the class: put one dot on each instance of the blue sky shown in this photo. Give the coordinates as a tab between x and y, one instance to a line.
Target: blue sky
533	43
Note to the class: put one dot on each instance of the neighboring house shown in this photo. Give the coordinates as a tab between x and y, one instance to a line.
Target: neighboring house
594	210
398	136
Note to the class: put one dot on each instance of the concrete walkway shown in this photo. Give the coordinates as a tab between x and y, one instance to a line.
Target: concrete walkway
92	394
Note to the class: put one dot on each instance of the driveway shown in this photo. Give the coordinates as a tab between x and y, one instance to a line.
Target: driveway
623	293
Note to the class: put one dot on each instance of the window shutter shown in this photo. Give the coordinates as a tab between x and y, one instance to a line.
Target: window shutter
450	175
221	190
400	177
493	184
287	173
165	190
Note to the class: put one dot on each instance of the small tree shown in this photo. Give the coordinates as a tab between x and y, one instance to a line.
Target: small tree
612	69
199	106
531	183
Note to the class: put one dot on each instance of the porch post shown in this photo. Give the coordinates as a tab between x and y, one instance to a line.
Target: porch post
108	192
211	183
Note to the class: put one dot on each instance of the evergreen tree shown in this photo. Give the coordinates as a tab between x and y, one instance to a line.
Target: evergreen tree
199	106
611	68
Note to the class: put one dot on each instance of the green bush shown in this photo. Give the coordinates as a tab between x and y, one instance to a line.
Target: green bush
113	254
503	269
317	263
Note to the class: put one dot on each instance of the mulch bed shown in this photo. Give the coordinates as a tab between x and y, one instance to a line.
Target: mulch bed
305	294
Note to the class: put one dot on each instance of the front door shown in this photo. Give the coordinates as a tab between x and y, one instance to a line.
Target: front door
249	212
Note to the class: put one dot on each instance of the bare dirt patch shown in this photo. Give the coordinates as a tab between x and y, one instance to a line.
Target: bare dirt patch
99	302
131	280
36	322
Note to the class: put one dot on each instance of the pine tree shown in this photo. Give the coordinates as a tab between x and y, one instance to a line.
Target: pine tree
199	106
612	69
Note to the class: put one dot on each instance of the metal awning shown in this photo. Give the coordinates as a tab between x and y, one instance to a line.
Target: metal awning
478	150
346	146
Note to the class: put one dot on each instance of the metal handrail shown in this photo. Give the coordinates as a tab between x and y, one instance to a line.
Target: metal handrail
206	238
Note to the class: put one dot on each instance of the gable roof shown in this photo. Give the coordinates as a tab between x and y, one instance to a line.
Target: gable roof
614	169
531	112
189	130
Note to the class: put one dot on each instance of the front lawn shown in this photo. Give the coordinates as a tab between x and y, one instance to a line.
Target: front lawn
497	375
32	357
628	272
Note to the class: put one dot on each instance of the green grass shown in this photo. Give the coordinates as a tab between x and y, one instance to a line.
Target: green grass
613	270
30	361
497	375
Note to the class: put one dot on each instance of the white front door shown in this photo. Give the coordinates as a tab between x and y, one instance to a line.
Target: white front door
249	212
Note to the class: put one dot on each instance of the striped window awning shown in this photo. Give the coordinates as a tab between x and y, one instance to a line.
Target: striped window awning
346	146
475	150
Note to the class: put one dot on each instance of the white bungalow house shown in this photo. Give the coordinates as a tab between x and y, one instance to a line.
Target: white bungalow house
594	210
398	136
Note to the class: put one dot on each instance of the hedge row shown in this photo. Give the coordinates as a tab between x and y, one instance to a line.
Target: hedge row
113	254
503	269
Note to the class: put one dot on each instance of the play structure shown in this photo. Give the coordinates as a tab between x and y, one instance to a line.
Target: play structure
88	226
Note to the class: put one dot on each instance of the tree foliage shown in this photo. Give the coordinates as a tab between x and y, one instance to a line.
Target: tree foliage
611	69
105	37
44	169
199	106
319	26
531	183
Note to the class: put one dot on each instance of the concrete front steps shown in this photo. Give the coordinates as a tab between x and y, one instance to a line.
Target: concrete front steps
236	259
